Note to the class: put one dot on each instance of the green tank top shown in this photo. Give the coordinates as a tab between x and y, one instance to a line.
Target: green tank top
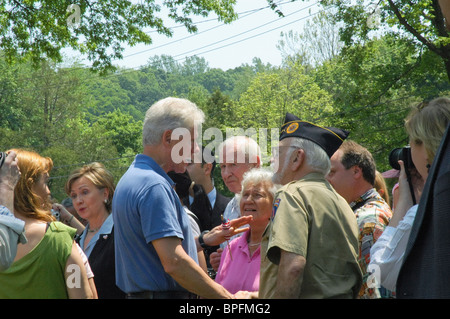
40	273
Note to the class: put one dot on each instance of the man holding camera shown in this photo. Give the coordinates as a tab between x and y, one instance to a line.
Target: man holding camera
11	228
352	175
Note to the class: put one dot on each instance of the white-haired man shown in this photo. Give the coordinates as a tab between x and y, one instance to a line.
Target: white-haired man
237	155
156	253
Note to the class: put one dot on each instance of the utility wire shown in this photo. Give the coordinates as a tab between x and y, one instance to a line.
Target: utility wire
234	36
244	13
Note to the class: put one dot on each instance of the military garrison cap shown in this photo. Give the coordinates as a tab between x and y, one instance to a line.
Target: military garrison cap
329	138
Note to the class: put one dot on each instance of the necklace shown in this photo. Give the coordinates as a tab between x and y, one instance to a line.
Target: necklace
93	230
252	245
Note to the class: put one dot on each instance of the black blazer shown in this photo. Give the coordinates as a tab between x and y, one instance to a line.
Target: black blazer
219	207
425	270
102	262
209	217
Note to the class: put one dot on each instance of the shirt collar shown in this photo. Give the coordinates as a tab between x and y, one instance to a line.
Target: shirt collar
212	196
107	225
369	194
104	231
147	160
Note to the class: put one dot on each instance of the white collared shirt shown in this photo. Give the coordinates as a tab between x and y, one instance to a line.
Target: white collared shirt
212	195
105	230
386	255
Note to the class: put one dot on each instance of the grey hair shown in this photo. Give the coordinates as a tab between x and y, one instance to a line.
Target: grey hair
246	147
257	176
316	157
168	114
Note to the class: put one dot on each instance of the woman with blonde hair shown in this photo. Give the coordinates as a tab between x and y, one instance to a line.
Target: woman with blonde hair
380	186
49	265
425	124
91	189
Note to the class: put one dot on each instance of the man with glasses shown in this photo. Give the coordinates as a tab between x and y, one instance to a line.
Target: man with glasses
310	248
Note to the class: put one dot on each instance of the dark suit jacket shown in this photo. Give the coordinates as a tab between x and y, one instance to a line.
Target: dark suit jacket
219	207
425	272
209	217
102	262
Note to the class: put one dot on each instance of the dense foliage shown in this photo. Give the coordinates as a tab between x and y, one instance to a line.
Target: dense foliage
75	116
99	29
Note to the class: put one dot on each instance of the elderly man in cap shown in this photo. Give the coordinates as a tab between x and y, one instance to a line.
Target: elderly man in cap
310	247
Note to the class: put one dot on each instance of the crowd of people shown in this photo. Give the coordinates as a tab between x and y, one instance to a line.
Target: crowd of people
312	225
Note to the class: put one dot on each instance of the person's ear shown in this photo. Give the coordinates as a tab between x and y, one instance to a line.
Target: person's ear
357	172
207	168
298	156
166	138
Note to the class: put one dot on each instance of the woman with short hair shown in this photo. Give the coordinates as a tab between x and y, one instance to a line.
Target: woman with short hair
91	189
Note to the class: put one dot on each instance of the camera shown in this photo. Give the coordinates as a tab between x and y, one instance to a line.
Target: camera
403	154
57	214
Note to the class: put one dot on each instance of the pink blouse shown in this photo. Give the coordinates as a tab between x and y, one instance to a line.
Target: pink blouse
241	273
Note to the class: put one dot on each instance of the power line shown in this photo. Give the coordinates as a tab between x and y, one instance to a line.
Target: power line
234	36
247	13
98	160
244	13
134	69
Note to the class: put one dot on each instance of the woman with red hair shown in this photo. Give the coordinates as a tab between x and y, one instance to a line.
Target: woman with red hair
49	265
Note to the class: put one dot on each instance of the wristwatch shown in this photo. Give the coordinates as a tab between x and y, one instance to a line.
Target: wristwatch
201	241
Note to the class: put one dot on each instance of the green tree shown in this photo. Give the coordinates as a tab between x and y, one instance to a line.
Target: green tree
318	42
271	95
215	79
219	111
99	29
10	115
49	118
421	20
373	85
84	143
123	131
105	94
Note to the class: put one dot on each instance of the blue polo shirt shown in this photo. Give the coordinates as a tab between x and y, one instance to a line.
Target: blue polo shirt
145	208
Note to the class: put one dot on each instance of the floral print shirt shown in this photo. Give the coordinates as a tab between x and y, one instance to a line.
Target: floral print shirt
373	215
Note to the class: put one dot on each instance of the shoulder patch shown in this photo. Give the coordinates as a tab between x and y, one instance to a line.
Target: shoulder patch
276	204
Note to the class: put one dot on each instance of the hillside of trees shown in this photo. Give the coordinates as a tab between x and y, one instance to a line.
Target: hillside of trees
76	116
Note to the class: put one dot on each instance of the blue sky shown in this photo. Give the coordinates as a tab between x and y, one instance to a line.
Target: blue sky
255	34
